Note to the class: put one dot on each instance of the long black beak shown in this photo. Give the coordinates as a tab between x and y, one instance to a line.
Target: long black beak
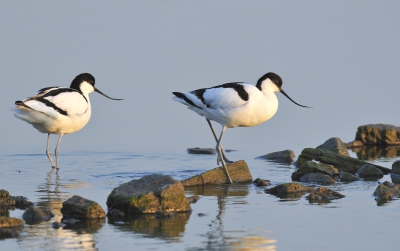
284	93
98	91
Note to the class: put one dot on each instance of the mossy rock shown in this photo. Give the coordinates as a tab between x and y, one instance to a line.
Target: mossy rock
79	207
148	195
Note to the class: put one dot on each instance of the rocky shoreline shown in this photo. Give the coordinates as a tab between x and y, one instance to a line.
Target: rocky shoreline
161	197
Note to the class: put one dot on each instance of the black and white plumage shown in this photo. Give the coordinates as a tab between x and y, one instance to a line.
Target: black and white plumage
59	110
236	104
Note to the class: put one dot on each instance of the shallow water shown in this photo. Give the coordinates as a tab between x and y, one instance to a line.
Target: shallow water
227	217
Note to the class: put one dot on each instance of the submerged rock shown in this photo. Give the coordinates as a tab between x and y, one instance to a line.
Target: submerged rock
288	188
35	215
238	171
386	192
318	178
313	167
370	171
396	167
10	227
261	183
347	177
193	199
150	194
78	207
20	202
323	195
198	150
10	222
377	134
335	145
286	156
342	163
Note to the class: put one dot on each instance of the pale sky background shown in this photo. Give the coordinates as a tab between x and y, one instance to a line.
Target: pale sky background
340	57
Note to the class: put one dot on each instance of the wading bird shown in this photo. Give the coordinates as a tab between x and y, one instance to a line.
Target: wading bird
59	110
235	104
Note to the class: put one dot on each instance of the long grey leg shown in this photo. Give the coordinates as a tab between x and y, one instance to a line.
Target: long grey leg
56	151
48	151
222	149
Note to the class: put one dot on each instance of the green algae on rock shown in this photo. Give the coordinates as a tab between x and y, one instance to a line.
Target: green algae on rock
79	207
148	195
239	172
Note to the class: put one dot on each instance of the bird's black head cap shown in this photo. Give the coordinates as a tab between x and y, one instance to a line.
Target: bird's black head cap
81	78
275	78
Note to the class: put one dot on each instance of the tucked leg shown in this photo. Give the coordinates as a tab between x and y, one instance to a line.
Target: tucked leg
48	151
56	151
222	149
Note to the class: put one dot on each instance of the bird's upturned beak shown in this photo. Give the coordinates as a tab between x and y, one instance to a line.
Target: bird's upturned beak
284	93
98	91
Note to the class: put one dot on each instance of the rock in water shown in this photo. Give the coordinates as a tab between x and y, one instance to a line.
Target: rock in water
342	163
313	167
34	215
347	177
335	145
150	194
198	150
78	207
376	134
285	156
239	172
318	178
323	195
369	170
386	192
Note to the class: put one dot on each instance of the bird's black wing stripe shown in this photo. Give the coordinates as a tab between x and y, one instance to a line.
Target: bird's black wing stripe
57	91
45	89
52	105
182	96
199	93
237	87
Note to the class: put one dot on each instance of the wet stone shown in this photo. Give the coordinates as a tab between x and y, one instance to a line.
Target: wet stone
238	171
148	195
115	213
21	202
10	227
261	183
57	225
286	156
323	195
313	167
341	162
378	134
395	178
386	192
318	178
369	170
6	222
193	199
334	145
79	207
396	167
34	215
198	150
347	177
288	188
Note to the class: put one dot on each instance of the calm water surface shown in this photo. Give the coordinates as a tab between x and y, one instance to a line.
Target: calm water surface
235	217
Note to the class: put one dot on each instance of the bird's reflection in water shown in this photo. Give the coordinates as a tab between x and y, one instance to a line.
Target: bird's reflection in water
51	195
218	238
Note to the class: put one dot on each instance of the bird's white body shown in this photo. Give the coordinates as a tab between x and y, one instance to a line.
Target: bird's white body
225	106
48	119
